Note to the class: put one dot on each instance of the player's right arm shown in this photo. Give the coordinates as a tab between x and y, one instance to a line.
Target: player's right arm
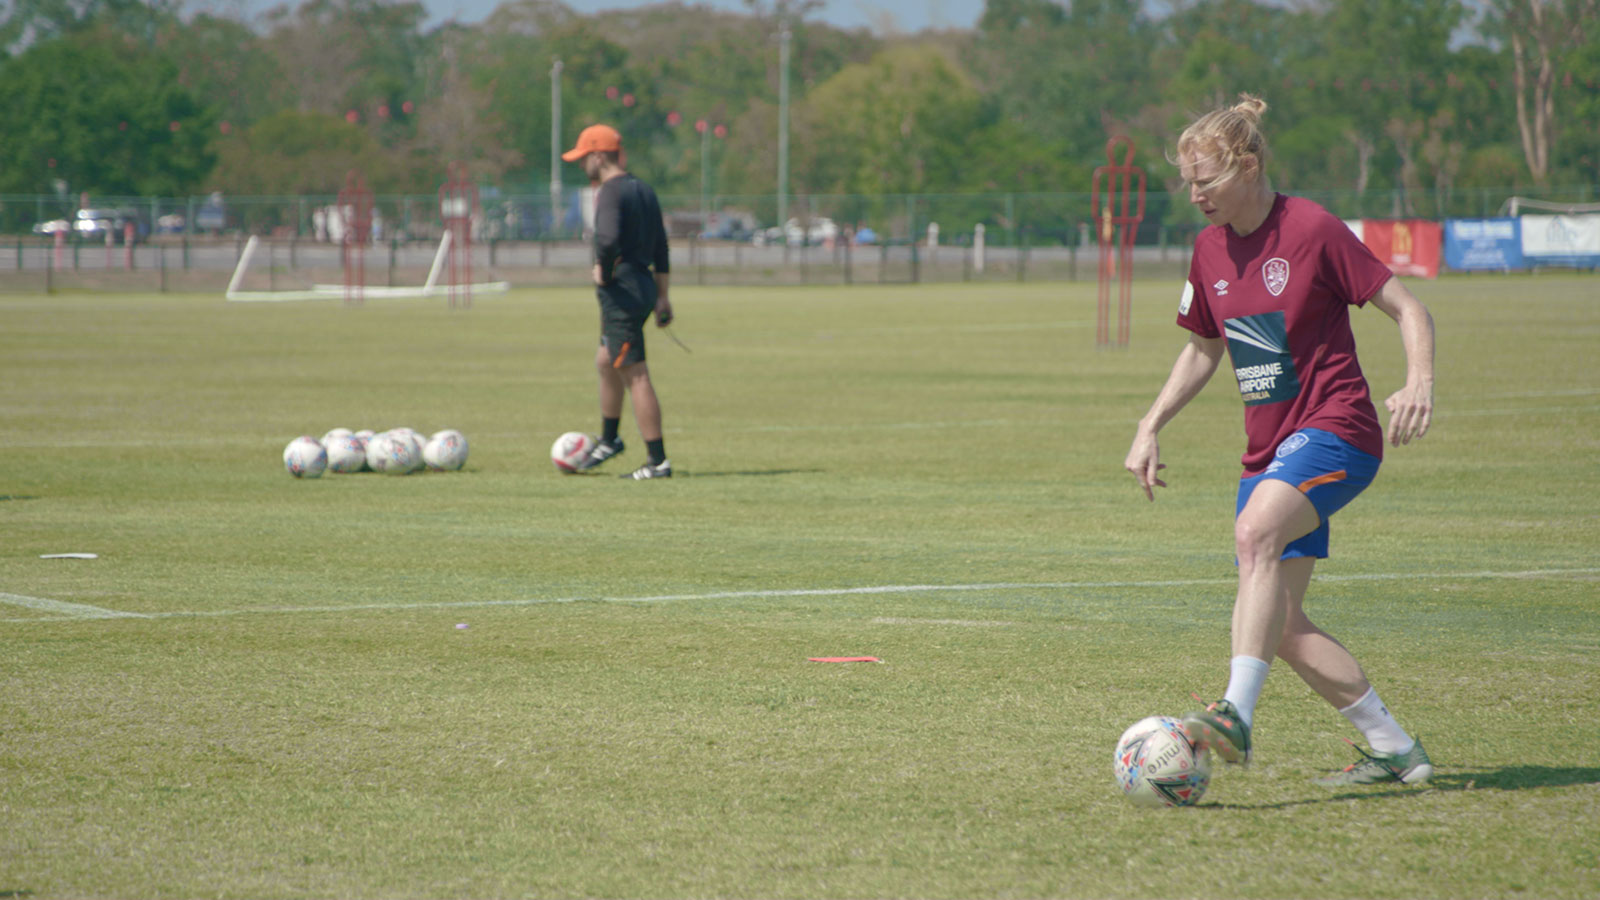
1196	363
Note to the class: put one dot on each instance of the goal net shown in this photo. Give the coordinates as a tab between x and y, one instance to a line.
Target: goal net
258	278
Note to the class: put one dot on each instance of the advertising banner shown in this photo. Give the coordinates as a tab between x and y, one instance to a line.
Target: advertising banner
1477	244
1561	240
1407	246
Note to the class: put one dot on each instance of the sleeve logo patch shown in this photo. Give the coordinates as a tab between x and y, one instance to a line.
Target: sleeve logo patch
1188	298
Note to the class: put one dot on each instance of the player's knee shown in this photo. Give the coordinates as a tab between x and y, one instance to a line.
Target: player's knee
1255	541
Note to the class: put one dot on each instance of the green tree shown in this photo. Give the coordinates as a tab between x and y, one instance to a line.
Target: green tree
291	152
103	113
1543	34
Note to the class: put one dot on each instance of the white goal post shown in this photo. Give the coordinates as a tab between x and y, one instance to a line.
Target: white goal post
429	288
1515	206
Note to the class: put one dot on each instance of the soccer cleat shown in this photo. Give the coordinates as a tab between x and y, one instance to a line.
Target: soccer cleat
1410	767
603	450
1219	728
661	469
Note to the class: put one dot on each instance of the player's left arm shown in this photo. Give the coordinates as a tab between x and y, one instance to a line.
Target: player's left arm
1411	407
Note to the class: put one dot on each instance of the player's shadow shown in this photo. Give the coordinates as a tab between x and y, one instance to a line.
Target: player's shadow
745	473
1505	778
4	497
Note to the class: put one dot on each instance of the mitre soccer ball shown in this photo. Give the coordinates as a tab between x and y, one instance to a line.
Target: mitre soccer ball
1157	765
393	454
333	433
305	457
570	449
346	453
446	451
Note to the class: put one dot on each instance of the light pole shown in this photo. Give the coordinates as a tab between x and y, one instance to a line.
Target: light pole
555	146
783	127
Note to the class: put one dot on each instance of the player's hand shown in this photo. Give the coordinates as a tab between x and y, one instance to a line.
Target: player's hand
1410	413
599	279
1144	461
663	312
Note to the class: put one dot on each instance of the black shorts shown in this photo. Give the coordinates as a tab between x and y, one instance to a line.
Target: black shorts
625	305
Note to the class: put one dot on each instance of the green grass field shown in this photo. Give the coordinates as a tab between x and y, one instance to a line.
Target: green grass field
260	689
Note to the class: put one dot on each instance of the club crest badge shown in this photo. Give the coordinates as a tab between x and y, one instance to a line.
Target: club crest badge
1276	273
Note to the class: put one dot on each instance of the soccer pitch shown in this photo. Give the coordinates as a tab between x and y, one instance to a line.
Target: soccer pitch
259	688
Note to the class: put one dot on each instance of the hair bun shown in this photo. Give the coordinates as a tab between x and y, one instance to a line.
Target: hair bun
1251	107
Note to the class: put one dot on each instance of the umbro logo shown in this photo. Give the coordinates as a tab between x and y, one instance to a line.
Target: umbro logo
1221	287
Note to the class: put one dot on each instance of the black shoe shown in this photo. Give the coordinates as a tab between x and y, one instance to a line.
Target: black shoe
602	451
661	469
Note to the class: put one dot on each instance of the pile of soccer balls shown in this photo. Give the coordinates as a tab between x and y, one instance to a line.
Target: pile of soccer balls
1157	765
398	451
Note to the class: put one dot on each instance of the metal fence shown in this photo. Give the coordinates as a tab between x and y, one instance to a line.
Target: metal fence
194	243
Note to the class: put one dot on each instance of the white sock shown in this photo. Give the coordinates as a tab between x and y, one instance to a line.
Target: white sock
1245	680
1373	719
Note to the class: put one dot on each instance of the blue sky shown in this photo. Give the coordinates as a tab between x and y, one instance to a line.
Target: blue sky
900	15
880	15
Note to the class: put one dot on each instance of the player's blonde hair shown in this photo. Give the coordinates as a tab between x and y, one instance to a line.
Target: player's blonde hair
1228	135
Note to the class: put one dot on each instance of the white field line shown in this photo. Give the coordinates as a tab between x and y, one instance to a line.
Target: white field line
63	609
78	611
1439	415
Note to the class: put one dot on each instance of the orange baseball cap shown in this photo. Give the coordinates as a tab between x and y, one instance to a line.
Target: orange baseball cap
594	139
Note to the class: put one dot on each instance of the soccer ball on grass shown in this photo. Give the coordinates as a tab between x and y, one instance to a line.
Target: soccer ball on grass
1157	765
446	451
393	454
305	457
346	453
570	449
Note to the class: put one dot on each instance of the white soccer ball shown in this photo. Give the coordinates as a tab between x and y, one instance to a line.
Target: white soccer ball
446	451
305	457
333	433
415	438
366	434
346	453
1157	765
392	454
570	449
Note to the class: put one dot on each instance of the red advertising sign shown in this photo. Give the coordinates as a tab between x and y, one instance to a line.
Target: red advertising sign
1406	246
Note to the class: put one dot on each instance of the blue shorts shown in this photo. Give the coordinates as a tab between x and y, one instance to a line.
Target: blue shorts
1328	470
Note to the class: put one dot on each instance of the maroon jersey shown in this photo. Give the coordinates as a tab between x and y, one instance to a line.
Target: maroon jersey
1281	296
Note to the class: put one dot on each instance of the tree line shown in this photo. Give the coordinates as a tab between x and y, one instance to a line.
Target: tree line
138	98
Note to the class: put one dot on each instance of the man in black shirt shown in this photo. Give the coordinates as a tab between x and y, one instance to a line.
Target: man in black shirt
629	241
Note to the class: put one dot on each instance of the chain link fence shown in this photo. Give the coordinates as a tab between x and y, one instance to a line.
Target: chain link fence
194	243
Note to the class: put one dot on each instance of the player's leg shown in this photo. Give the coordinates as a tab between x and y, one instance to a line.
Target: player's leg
1318	658
647	413
1333	672
612	390
646	406
1274	514
612	386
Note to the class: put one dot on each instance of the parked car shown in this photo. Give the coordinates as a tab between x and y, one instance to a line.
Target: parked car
820	230
91	225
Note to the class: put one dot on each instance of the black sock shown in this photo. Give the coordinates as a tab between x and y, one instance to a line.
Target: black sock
608	429
658	451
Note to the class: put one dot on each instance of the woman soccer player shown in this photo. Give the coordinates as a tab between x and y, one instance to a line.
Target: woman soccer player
1272	281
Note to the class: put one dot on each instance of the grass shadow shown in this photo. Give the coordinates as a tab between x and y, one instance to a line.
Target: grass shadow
1505	778
3	498
748	473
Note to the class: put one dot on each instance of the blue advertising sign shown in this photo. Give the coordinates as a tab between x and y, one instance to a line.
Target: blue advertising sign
1483	244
